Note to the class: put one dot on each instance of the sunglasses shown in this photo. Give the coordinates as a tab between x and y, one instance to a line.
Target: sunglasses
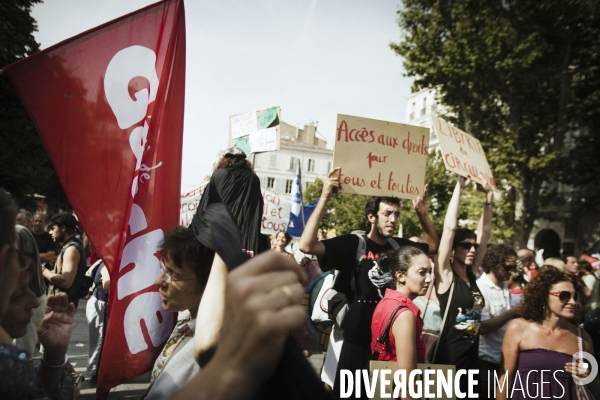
468	245
564	296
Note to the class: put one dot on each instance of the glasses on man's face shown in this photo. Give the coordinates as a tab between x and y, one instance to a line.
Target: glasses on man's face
468	245
388	214
168	278
564	296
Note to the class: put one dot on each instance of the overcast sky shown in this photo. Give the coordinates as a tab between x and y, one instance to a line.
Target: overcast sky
313	58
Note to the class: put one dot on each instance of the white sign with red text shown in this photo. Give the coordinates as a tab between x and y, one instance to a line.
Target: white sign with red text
276	210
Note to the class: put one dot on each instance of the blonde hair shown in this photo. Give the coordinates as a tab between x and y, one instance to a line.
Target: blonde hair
556	263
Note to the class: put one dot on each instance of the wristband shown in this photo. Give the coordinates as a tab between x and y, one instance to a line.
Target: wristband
489	203
50	366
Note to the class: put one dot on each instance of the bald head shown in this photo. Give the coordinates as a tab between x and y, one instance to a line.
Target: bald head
527	257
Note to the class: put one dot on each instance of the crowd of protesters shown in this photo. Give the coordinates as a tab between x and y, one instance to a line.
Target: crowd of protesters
449	299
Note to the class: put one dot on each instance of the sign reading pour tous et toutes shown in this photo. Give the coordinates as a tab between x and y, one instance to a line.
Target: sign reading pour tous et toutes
380	158
463	153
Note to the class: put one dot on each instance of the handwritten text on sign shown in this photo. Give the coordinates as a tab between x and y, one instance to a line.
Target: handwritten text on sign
276	211
463	153
380	158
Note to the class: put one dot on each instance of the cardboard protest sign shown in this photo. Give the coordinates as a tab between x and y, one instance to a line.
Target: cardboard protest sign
276	210
256	130
463	153
276	213
380	158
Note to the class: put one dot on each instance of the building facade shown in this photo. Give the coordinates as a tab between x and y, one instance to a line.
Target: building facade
277	169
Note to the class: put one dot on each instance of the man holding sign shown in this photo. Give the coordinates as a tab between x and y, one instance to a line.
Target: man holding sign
358	279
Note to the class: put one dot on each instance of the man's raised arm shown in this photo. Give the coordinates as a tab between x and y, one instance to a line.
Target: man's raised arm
309	243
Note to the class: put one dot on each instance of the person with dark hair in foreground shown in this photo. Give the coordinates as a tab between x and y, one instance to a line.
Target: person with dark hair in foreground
186	265
263	303
408	273
19	378
544	342
358	279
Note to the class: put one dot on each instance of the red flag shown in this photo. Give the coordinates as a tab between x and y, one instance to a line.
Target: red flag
108	105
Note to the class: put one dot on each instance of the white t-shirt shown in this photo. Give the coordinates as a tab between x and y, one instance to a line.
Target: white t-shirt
497	300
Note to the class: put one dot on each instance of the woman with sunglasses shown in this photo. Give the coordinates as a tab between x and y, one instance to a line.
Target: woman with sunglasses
539	348
456	286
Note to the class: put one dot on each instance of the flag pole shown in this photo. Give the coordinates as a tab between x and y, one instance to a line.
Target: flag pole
300	187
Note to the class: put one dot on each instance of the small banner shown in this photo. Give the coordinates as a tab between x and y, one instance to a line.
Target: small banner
108	105
463	153
380	158
276	210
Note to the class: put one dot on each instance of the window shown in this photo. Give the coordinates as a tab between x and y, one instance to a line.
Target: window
288	185
293	161
328	167
270	183
311	165
424	109
273	161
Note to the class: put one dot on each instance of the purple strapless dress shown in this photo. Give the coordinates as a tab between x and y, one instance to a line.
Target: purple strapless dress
542	374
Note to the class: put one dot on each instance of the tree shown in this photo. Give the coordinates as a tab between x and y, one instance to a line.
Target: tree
511	73
345	212
24	165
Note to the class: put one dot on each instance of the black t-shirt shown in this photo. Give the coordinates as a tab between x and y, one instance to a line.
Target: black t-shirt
340	254
459	344
44	242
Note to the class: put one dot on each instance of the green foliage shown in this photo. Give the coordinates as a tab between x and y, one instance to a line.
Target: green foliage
345	212
517	74
24	164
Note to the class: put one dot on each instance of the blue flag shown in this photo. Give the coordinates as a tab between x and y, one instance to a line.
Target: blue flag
296	225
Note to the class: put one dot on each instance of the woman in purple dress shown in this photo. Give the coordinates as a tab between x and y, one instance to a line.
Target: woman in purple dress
539	350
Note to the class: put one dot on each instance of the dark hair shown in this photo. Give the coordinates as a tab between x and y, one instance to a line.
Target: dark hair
398	260
288	237
8	215
372	206
535	294
496	256
461	234
587	267
229	160
181	247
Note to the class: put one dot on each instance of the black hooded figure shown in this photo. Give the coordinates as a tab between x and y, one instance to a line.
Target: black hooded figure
234	183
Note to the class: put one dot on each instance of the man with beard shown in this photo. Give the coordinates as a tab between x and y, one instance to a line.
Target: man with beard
45	244
357	280
498	263
69	269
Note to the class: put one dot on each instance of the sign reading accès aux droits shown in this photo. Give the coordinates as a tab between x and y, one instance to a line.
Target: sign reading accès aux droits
276	211
380	158
463	153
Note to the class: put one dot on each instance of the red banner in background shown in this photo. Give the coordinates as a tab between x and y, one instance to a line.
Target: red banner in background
108	105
